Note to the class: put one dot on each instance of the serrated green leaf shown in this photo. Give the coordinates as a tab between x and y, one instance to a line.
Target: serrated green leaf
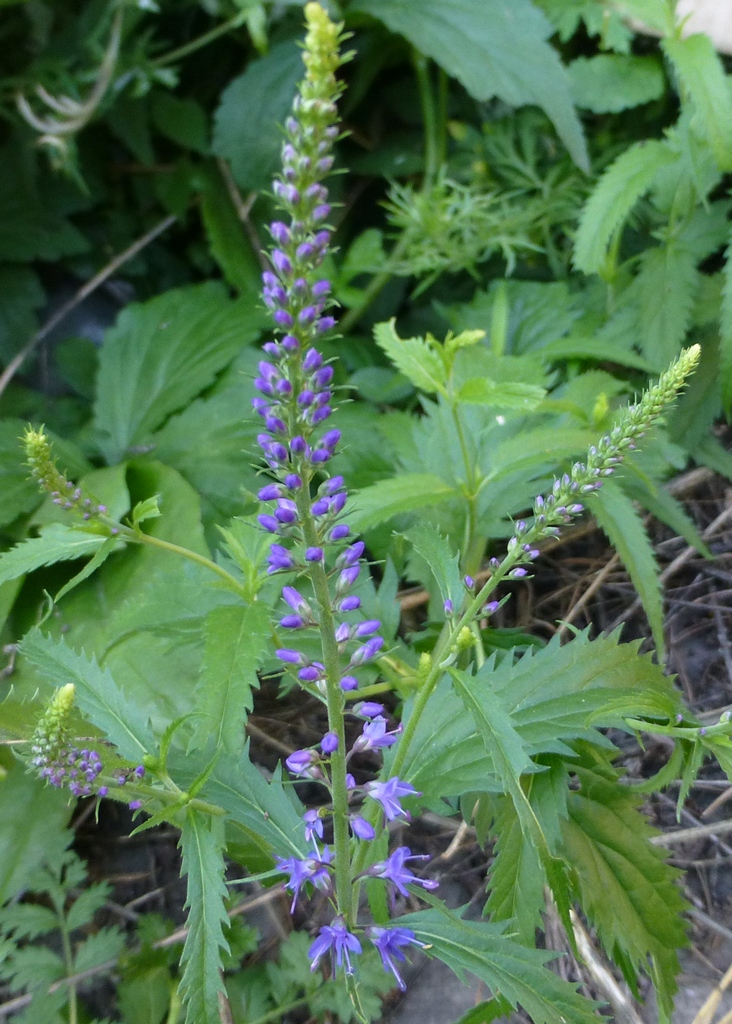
609	82
508	395
56	543
656	14
663	506
263	809
626	888
413	357
702	77
201	843
493	51
147	509
236	638
86	904
27	920
618	190
517	973
511	760
444	565
162	353
624	527
516	879
97	694
252	107
666	287
34	968
389	498
103	946
100	557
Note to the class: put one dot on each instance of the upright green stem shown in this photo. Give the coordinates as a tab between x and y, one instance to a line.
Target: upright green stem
336	704
429	116
473	545
195	44
69	963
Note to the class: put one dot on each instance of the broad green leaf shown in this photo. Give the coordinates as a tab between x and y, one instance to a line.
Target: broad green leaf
388	498
267	814
725	333
579	347
226	236
144	995
34	818
444	565
507	750
97	694
666	288
236	638
413	357
20	296
516	973
609	82
702	78
624	527
57	543
162	353
508	395
247	129
614	196
493	50
626	889
201	843
183	120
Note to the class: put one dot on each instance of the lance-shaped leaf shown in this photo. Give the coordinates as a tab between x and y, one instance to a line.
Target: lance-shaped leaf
494	49
666	286
511	760
615	195
57	543
624	527
516	973
97	694
413	357
626	888
516	879
389	498
264	810
201	843
236	638
444	565
702	78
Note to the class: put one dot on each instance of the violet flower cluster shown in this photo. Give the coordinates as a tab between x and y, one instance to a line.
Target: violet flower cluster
305	517
61	763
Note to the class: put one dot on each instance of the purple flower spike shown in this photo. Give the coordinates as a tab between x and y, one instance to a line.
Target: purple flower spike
388	795
339	941
329	743
301	761
389	941
314	555
349	683
374	734
393	870
361	828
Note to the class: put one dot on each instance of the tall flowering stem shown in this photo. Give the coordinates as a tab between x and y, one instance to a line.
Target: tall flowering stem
295	401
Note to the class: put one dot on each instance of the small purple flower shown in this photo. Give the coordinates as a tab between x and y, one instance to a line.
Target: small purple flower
389	941
348	604
518	573
368	627
448	609
349	683
309	674
393	870
103	790
301	762
295	600
351	555
369	709
339	532
388	795
269	523
329	743
312	361
311	869
290	656
292	622
369	650
313	825
135	805
336	938
270	492
361	828
375	736
279	558
314	555
469	582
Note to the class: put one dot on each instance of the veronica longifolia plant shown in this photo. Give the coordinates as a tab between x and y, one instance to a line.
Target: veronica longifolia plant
312	549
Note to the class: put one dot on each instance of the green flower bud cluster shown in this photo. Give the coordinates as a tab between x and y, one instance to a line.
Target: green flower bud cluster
63	491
